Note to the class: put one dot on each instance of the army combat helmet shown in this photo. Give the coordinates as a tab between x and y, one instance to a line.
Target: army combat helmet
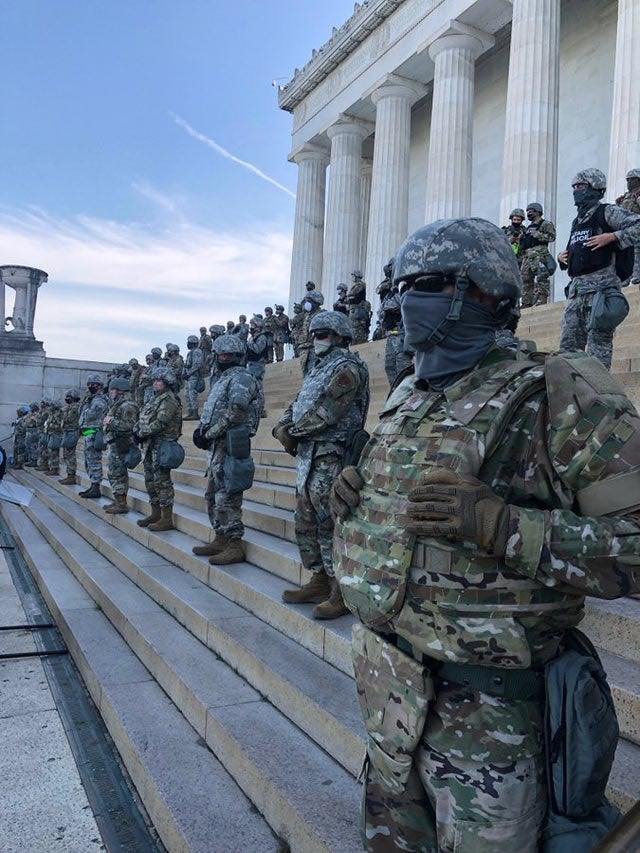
229	349
594	177
119	383
519	212
163	374
332	321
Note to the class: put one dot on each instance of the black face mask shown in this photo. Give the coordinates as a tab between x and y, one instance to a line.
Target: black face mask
584	200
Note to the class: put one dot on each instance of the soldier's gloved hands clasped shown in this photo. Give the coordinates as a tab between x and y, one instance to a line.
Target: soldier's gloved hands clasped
458	507
281	434
345	493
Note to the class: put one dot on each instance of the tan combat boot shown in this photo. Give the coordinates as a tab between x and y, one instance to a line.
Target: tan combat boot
211	548
53	472
92	492
69	480
233	552
334	606
118	506
165	522
151	518
316	590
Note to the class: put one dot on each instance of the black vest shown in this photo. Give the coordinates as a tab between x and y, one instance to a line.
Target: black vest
582	259
527	240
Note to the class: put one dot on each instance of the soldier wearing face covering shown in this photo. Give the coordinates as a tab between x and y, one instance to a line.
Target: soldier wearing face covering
311	305
599	234
481	513
631	201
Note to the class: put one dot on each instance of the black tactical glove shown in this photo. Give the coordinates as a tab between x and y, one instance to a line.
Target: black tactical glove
281	433
458	507
345	493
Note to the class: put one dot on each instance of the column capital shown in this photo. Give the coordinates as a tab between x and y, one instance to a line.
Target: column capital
395	86
309	151
347	124
458	35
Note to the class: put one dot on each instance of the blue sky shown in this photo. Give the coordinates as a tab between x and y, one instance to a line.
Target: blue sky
147	231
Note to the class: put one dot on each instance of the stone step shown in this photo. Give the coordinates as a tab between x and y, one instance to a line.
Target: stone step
188	794
308	799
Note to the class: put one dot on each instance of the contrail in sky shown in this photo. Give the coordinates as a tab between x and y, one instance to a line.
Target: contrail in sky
228	155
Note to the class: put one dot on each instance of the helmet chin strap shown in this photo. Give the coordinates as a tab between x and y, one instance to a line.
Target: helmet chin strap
453	315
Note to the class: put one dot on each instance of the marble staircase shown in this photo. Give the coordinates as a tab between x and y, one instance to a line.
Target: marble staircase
236	714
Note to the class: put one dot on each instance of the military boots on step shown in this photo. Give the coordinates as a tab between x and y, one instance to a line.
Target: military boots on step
231	551
334	606
118	506
153	516
165	522
92	492
316	590
69	480
53	472
211	548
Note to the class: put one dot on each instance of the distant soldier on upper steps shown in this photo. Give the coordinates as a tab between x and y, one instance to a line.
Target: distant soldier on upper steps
537	263
631	201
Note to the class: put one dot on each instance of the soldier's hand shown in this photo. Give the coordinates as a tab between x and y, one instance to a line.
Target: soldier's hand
563	258
598	241
281	434
345	493
458	507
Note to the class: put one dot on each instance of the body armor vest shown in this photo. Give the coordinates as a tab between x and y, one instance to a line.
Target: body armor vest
221	397
451	602
582	259
528	241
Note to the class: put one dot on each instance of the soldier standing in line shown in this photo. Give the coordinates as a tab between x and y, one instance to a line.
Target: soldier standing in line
134	379
158	360
119	424
631	201
32	436
145	389
242	329
311	305
281	334
515	231
319	428
269	327
192	374
230	327
205	341
92	411
256	355
42	463
20	437
175	362
537	263
54	428
295	327
597	233
70	436
341	302
359	309
470	533
229	419
396	360
160	422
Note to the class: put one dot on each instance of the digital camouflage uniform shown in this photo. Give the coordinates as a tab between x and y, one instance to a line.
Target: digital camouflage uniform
235	400
32	437
269	328
175	363
359	312
295	327
575	333
313	299
160	418
71	433
43	450
145	385
193	368
92	411
330	409
20	439
119	437
631	201
390	320
256	354
54	427
136	371
280	332
534	269
242	330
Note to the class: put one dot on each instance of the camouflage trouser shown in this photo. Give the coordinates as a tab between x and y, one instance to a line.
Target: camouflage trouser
157	481
224	508
70	459
53	459
395	359
307	358
117	471
32	442
313	522
192	395
43	451
575	334
535	282
278	349
269	354
19	450
92	459
360	332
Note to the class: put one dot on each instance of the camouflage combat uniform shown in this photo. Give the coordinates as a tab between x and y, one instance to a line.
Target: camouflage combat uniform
295	327
43	449
280	334
359	312
32	438
256	355
92	411
145	385
20	441
71	433
136	372
449	767
576	334
54	428
330	409
160	418
242	330
193	367
390	323
314	299
534	269
235	400
175	363
269	328
514	233
631	201
119	437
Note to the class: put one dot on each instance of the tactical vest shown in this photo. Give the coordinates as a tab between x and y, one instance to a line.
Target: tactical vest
220	398
582	259
451	602
527	240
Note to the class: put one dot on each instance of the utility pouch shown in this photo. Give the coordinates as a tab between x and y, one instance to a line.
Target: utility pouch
133	457
239	442
394	692
170	454
99	443
608	309
122	443
55	441
70	439
200	385
238	473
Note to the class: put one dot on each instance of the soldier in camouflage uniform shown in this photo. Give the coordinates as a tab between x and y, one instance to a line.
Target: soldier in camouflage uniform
211	368
281	334
231	327
145	383
70	436
229	419
54	428
341	302
92	411
205	343
20	437
256	353
242	329
42	463
295	327
515	231
32	437
359	309
390	327
631	201
537	262
160	420
320	427
134	379
119	424
269	328
470	533
175	362
311	305
596	233
192	374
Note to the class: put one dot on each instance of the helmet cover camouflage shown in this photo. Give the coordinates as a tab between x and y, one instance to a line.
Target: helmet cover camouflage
517	211
315	297
535	205
332	321
133	362
119	383
192	339
594	177
633	173
342	288
279	308
157	352
229	345
163	374
94	379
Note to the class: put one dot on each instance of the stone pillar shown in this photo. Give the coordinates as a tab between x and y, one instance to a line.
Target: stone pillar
365	201
308	229
624	152
389	212
530	160
26	282
451	137
344	220
20	308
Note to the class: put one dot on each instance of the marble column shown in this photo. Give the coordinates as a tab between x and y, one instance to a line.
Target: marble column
451	137
308	229
530	159
344	219
366	172
389	212
624	152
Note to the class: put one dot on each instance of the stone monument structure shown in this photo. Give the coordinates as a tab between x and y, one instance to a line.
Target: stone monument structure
26	282
416	110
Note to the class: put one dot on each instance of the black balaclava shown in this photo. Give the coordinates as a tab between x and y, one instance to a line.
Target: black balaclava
585	199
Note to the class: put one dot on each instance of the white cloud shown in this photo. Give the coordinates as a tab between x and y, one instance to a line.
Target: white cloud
156	196
211	143
119	288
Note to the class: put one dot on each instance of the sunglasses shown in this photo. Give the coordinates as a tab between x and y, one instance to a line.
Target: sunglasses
321	335
579	186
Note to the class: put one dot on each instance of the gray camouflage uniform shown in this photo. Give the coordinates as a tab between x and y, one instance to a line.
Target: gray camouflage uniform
119	437
193	367
94	408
